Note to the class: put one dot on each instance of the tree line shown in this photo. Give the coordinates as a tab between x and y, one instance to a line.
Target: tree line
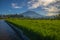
22	16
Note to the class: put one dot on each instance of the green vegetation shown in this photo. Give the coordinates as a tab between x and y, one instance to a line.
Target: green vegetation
38	29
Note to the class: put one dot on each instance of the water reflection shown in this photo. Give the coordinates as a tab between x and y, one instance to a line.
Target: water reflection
6	32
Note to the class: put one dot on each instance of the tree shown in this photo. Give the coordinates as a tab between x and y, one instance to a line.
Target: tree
21	15
58	16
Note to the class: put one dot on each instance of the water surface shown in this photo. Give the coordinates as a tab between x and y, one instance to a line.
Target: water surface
6	32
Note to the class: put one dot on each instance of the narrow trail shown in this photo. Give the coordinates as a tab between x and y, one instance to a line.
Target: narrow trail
6	32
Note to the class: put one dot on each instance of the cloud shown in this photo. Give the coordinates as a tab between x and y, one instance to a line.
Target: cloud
37	3
33	4
15	5
51	14
52	7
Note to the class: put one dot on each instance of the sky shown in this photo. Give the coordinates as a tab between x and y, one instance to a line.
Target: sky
42	7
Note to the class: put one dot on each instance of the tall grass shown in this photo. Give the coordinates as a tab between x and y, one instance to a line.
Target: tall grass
39	29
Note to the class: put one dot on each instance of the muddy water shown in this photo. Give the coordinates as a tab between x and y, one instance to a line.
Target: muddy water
6	32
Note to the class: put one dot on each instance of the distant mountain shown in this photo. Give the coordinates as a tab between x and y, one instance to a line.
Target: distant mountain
31	14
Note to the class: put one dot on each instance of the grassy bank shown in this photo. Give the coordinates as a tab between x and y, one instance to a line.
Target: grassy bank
38	29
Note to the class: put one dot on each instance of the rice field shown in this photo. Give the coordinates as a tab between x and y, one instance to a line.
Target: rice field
38	29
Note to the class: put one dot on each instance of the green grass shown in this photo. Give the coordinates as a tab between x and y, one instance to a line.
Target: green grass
38	29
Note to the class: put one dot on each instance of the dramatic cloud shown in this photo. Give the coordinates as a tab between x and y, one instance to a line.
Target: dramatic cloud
50	14
15	5
52	7
37	3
